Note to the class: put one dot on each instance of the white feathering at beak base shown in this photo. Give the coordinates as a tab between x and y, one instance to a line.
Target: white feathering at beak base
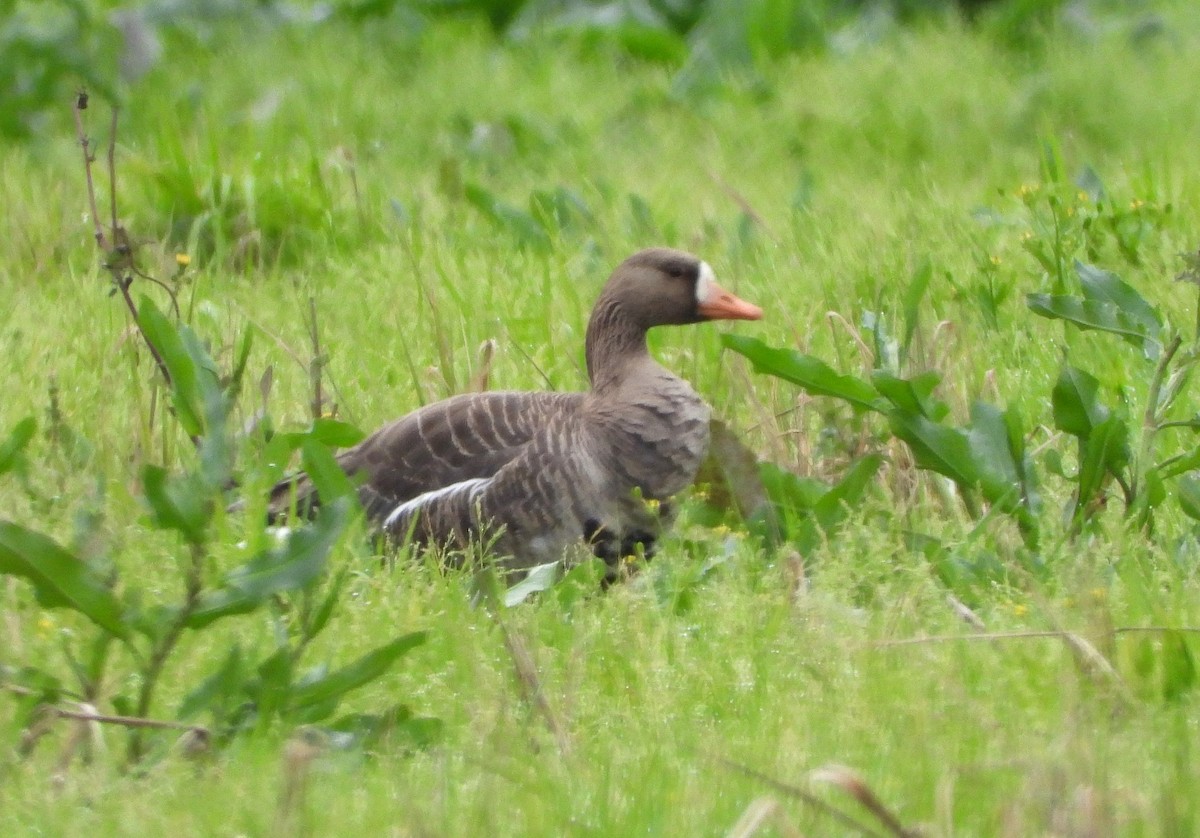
705	282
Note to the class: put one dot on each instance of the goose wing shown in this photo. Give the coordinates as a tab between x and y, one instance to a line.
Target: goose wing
463	438
556	490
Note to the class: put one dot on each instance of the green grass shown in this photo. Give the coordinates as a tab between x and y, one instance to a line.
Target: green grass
860	166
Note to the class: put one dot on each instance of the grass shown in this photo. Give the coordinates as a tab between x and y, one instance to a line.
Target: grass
333	163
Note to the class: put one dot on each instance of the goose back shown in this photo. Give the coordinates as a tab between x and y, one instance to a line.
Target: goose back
465	437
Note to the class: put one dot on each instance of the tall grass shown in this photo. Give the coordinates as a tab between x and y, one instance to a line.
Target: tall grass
339	164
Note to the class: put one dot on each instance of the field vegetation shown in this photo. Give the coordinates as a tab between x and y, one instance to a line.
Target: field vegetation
941	576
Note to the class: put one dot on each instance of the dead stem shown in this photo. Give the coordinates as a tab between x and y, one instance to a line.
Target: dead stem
802	794
117	252
317	364
1024	635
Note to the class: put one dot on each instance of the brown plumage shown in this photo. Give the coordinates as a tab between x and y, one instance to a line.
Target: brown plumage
541	471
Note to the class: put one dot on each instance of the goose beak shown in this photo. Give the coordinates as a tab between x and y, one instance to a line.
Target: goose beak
719	304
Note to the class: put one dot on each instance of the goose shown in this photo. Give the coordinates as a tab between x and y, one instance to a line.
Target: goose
533	473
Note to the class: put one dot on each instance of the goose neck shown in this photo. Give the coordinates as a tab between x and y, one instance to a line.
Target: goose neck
615	342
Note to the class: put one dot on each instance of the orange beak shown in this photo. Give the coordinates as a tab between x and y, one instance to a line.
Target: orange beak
722	305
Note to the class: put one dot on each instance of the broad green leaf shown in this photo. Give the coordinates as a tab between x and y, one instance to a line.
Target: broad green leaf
1188	494
363	671
788	489
913	295
1178	666
1104	452
810	374
320	617
1005	473
1031	499
1150	495
291	566
913	395
1102	286
277	455
185	390
182	503
803	510
538	579
335	434
321	467
12	448
1099	315
1174	466
999	474
1015	424
271	689
216	457
936	447
60	579
217	689
1054	464
208	378
1074	404
847	493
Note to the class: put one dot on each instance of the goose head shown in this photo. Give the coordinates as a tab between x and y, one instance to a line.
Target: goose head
654	287
664	287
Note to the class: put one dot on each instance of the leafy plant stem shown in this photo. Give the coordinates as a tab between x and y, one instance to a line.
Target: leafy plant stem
165	645
118	252
1150	419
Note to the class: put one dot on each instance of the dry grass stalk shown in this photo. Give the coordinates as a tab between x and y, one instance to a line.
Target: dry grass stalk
531	683
483	370
317	363
744	205
305	745
965	613
866	354
1091	663
804	795
753	817
850	782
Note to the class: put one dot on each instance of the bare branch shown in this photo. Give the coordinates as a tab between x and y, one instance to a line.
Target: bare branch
112	168
85	144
